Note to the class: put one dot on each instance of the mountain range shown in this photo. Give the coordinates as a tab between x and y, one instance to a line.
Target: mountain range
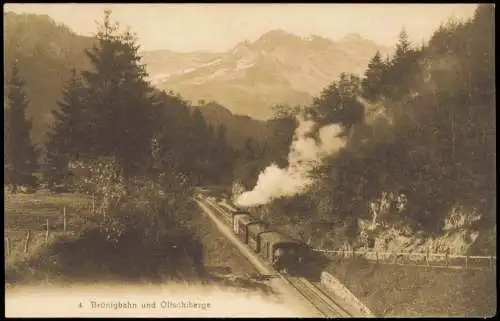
277	68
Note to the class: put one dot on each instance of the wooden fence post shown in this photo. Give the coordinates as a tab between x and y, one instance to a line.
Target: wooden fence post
8	246
446	259
26	243
376	254
343	253
64	219
47	231
491	262
466	262
394	257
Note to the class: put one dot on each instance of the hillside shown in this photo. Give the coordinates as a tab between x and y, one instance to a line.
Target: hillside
419	176
239	128
278	68
46	52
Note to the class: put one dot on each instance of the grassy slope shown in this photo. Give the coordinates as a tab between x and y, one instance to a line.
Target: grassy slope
43	202
226	266
393	290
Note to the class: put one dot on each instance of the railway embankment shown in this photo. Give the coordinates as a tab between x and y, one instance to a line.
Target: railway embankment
418	289
394	290
421	289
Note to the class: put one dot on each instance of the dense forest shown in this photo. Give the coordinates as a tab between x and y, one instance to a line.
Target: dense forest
420	126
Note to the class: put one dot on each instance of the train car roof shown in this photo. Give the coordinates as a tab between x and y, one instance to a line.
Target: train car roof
238	212
241	214
276	237
246	219
256	226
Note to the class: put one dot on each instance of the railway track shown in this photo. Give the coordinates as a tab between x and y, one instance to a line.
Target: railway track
324	304
311	293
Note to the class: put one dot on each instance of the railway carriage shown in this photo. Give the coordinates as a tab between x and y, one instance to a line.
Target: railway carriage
243	222
276	248
254	230
236	217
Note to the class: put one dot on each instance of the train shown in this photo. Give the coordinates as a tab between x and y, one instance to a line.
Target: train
285	254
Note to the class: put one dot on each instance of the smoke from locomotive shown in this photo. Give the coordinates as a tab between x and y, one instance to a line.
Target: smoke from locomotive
305	154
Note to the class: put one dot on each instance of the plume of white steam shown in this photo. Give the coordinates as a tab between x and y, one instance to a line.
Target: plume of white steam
305	154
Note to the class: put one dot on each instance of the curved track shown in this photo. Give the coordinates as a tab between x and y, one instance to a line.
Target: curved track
314	295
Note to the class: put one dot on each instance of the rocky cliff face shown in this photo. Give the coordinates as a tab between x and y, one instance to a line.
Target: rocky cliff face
457	237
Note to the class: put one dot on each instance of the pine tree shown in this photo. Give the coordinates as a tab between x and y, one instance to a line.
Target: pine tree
402	69
350	110
55	171
67	140
224	155
200	139
121	121
221	137
70	120
19	153
338	102
173	132
403	46
372	82
249	150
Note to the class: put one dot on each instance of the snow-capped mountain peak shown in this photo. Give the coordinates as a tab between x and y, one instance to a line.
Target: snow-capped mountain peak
278	67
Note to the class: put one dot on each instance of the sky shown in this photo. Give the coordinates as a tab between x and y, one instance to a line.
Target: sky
219	27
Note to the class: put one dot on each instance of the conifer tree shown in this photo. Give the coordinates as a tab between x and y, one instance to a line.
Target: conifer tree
351	111
403	45
372	82
221	137
121	121
402	69
68	139
19	154
338	102
223	155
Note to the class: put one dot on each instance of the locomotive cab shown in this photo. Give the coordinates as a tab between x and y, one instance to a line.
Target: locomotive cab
287	256
278	260
281	251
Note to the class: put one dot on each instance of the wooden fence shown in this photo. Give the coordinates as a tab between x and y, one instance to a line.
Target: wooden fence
23	228
437	260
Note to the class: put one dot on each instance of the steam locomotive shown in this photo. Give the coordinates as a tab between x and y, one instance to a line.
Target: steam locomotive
284	253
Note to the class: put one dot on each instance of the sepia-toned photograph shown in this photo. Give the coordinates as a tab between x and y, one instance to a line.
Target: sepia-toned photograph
249	160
